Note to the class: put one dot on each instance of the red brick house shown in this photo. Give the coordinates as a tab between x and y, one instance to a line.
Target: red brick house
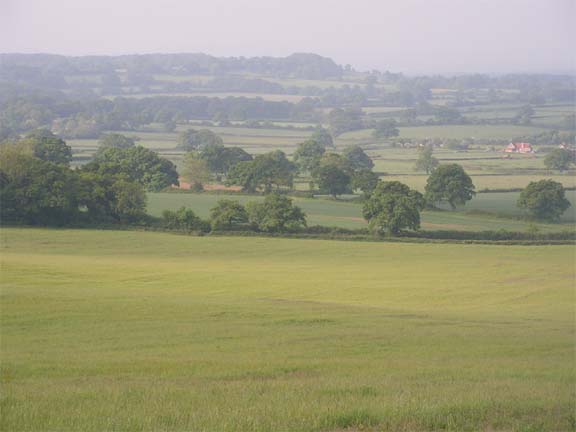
519	148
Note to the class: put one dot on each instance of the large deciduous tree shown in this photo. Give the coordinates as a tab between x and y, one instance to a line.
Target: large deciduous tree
192	139
393	207
137	164
111	198
357	158
195	171
228	214
36	191
364	180
275	214
116	140
221	159
322	136
386	128
449	183
559	159
332	179
544	199
308	154
49	147
265	172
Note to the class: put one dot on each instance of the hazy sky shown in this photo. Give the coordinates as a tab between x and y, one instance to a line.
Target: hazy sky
411	36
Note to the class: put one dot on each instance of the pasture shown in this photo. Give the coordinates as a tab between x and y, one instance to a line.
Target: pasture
477	132
344	214
105	330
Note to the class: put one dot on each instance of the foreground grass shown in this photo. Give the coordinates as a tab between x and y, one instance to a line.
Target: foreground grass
149	331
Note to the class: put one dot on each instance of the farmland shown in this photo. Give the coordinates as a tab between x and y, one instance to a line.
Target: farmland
349	215
105	330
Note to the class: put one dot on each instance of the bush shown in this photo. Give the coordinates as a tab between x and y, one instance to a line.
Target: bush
184	220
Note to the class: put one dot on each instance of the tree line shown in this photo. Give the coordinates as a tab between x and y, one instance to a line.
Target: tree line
38	186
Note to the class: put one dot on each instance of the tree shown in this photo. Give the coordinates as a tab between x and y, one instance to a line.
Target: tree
385	129
275	214
35	191
392	207
343	120
447	115
116	140
192	139
233	155
357	158
183	219
308	154
266	171
195	171
365	180
221	159
228	214
323	137
559	159
544	199
137	164
111	198
332	179
337	160
524	115
49	147
426	162
129	204
451	184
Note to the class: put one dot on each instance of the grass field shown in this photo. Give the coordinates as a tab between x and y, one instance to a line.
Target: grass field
349	215
136	331
489	181
478	132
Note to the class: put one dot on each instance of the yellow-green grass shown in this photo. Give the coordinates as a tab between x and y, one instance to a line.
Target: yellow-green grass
136	331
344	214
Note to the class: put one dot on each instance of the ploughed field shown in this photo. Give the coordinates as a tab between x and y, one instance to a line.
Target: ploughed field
137	331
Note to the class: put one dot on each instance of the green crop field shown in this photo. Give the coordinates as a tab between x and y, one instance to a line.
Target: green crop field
477	132
468	131
344	214
136	331
489	181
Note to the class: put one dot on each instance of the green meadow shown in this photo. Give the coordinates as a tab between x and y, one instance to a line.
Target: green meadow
339	213
135	331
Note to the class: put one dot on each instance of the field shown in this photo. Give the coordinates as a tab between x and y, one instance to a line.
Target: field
478	132
349	215
105	330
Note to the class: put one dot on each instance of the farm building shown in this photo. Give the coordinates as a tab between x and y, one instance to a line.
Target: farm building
519	148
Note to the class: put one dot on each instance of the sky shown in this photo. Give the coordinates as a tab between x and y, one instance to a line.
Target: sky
410	36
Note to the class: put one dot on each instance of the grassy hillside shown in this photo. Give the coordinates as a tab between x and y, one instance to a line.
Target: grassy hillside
148	331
